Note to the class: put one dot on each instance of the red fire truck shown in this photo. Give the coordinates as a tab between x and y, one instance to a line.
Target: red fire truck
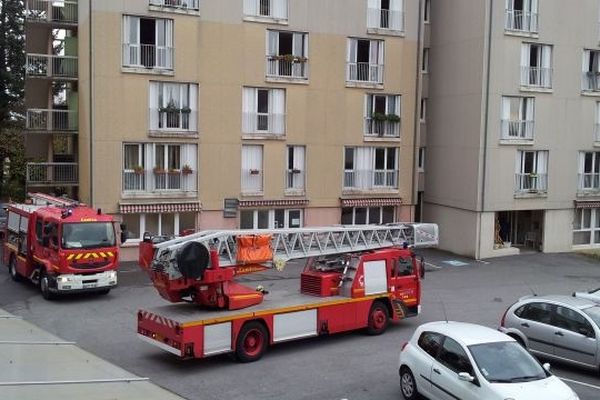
354	277
61	245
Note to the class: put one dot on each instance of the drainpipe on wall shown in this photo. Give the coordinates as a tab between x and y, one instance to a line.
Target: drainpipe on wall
91	108
417	119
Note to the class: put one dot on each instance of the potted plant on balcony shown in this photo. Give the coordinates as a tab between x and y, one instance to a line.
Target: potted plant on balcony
138	170
392	118
254	172
186	110
169	108
159	170
173	171
287	58
378	116
186	169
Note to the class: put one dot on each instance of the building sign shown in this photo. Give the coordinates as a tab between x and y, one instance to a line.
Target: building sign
230	208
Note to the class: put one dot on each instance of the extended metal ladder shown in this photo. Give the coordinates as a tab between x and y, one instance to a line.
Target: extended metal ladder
288	244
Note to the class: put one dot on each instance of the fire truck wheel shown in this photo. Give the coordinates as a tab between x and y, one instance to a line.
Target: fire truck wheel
408	386
45	286
252	342
12	270
379	318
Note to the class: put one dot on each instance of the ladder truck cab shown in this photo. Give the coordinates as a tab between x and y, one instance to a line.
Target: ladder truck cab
61	245
355	277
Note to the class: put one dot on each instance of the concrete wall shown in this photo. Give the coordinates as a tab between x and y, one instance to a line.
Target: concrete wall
558	231
458	228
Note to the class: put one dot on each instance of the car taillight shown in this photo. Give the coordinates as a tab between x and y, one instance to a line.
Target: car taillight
503	318
404	346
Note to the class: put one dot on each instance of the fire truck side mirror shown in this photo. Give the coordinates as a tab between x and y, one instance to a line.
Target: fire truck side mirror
124	233
422	267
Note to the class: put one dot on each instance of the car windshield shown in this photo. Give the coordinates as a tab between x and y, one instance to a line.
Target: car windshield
593	313
506	362
88	235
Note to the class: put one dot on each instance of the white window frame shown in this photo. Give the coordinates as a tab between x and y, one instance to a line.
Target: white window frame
535	180
538	76
581	227
132	54
393	105
295	170
425	61
252	169
158	99
427	12
589	181
279	67
271	218
393	17
525	20
590	74
275	116
368	214
375	67
364	174
278	10
597	123
517	124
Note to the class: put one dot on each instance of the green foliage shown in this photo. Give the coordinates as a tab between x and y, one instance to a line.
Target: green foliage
13	164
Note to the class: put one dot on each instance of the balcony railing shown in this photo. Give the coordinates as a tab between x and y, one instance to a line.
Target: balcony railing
51	66
151	181
279	67
51	174
177	120
51	120
51	11
370	179
185	4
385	19
522	21
263	123
517	129
381	128
252	181
590	81
589	182
148	56
276	9
365	72
532	183
294	180
536	77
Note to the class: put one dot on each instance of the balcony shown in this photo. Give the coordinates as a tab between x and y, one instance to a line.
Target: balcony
590	81
50	120
159	181
392	20
177	4
289	67
358	180
381	127
148	56
588	182
51	66
521	21
364	72
294	180
517	129
52	11
531	183
263	123
51	174
176	120
536	77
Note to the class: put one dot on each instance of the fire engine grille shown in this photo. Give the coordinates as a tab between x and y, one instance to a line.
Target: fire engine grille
89	265
311	284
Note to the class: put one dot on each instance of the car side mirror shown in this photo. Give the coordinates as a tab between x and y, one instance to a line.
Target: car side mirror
422	268
546	366
466	377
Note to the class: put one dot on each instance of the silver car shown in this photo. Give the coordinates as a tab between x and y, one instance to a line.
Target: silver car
563	328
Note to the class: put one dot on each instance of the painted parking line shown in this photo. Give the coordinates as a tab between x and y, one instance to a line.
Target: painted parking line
579	383
428	264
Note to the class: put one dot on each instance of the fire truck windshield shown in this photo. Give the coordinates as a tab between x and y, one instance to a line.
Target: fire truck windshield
88	235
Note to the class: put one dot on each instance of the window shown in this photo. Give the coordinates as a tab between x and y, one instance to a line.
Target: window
590	79
403	267
531	171
252	169
159	224
295	174
271	219
263	111
589	171
367	168
454	357
522	15
421	161
427	11
423	115
266	9
536	65
425	61
385	14
586	226
597	123
287	54
571	320
173	106
150	167
184	4
382	115
538	312
367	215
431	343
517	118
147	42
364	61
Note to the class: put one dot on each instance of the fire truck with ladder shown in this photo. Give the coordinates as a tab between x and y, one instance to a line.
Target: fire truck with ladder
355	277
61	245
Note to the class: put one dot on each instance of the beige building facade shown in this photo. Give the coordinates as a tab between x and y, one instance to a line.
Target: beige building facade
201	114
512	125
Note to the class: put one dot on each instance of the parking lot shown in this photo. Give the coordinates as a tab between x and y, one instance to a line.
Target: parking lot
350	366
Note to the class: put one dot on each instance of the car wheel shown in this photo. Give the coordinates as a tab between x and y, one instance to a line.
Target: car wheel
379	318
252	342
12	270
408	386
45	286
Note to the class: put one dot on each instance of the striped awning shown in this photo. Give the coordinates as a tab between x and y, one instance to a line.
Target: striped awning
371	202
159	208
274	203
587	204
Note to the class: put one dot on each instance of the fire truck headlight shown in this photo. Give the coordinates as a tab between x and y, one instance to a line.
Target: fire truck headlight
112	275
64	279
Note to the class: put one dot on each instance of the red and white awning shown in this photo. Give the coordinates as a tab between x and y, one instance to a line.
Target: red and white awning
162	208
273	203
587	204
372	202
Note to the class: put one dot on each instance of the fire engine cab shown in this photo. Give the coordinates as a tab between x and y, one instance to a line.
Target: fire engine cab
61	245
353	278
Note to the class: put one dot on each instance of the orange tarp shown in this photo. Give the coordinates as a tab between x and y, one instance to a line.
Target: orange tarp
254	249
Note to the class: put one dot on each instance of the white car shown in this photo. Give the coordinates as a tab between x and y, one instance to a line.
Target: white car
456	360
592	295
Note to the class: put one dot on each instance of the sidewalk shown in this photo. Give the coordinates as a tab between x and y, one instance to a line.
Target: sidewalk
37	365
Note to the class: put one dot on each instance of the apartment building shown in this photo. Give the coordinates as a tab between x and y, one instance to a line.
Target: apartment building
179	115
512	117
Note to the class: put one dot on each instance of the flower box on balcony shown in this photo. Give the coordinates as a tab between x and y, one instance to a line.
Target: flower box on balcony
173	172
378	117
138	170
186	170
254	172
290	58
392	118
159	171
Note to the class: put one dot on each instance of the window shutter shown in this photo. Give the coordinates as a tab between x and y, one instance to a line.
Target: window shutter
277	109
299	158
297	47
272	43
581	169
280	9
519	162
396	18
546	56
373	13
153	105
542	162
193	104
533	6
505	116
248	110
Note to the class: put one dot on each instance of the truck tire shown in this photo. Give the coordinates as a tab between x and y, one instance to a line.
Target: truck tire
12	270
379	318
252	341
45	286
408	386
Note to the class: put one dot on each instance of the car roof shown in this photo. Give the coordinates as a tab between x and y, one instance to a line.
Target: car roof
574	302
466	333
